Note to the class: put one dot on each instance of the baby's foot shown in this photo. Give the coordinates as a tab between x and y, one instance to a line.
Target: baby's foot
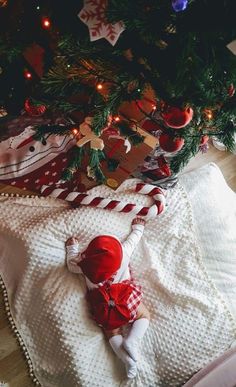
131	369
131	346
72	241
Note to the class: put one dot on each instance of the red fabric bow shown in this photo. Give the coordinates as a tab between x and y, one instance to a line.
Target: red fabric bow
109	305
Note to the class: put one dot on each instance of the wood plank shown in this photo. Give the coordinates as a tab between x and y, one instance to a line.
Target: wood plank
12	367
226	161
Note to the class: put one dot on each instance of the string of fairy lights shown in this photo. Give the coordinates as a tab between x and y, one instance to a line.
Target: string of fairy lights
100	86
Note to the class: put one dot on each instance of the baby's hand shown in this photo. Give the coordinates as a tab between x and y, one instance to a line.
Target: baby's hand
139	221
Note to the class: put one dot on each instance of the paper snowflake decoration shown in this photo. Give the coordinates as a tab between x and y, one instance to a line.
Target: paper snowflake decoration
93	15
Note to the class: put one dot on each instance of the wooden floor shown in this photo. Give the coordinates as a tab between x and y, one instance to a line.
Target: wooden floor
13	370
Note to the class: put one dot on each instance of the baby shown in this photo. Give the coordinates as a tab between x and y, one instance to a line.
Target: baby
115	300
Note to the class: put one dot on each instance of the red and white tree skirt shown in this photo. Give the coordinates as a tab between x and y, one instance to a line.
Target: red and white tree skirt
29	164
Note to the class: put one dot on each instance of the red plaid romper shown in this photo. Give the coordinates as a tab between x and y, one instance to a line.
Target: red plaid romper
130	304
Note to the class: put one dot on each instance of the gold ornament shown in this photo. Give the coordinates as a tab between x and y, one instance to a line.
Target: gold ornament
113	183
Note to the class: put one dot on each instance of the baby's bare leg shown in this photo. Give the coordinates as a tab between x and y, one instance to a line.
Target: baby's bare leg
142	312
137	332
112	333
116	342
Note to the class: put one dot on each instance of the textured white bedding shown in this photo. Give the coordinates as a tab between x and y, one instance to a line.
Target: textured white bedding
191	324
214	210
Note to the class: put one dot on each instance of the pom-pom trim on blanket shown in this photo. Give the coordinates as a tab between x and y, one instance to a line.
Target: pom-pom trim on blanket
15	330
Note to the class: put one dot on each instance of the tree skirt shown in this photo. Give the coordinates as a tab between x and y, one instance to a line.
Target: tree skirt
29	164
190	323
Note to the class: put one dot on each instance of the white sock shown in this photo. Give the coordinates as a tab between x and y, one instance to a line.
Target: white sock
136	333
116	343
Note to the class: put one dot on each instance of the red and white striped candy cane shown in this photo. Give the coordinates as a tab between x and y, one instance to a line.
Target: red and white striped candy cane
156	193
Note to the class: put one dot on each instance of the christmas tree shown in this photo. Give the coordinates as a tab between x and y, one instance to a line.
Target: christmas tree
175	61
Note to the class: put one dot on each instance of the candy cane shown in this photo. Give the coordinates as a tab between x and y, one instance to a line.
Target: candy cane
156	193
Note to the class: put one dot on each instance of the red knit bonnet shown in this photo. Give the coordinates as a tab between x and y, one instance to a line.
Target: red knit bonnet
102	258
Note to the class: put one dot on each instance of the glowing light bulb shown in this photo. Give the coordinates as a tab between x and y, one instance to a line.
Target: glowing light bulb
46	23
75	131
117	118
209	114
27	74
99	86
154	107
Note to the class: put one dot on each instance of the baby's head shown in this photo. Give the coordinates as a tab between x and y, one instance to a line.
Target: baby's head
102	258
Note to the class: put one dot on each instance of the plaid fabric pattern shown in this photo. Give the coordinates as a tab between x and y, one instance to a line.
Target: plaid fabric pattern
135	297
134	301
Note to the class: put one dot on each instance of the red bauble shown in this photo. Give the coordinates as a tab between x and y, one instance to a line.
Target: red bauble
204	139
34	110
170	144
177	118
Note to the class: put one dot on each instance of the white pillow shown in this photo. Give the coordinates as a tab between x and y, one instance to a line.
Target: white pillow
209	194
219	373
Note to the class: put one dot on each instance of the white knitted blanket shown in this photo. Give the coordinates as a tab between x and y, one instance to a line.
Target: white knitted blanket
190	324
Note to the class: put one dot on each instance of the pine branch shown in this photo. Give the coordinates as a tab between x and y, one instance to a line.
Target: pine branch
59	130
94	162
134	137
74	164
181	159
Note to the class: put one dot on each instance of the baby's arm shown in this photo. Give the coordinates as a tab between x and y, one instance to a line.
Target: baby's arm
134	237
73	256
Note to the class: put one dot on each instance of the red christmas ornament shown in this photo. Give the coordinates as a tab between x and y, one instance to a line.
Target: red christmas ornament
176	118
170	144
34	110
231	90
204	139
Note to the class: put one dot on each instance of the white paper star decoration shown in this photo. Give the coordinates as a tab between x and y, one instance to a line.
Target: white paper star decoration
93	15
